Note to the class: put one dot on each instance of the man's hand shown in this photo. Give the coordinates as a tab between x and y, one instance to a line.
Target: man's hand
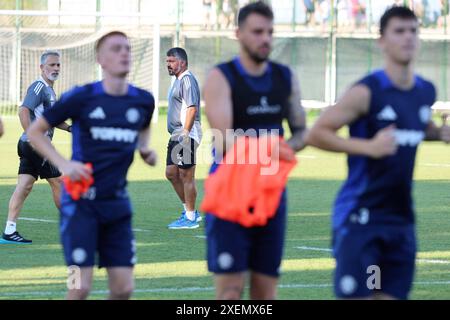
148	155
183	138
383	144
283	150
76	170
445	129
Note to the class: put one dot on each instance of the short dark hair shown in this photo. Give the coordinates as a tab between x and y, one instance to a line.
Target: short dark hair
102	39
401	12
178	53
258	7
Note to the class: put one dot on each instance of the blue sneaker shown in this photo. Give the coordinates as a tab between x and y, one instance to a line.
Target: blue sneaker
198	217
184	223
178	221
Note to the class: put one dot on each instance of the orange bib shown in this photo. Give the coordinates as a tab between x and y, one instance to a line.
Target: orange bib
79	187
245	191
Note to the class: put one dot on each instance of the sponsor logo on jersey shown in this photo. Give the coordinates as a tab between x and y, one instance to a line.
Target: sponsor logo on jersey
132	115
98	113
387	114
409	138
263	108
114	134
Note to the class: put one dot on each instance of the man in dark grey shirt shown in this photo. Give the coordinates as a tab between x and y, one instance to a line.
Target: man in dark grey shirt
39	97
183	124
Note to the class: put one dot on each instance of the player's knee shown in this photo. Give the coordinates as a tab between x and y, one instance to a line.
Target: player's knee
230	293
122	293
259	294
172	174
25	188
186	176
79	294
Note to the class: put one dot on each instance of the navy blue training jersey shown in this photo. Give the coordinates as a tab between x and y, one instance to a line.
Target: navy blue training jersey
380	191
105	132
259	102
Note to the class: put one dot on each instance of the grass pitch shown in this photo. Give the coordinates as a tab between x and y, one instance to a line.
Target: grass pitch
171	263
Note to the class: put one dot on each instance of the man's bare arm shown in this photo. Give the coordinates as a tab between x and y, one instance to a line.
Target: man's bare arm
24	117
147	154
190	118
353	105
296	117
218	109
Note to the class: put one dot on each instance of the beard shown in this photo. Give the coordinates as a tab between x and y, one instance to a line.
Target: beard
173	72
257	58
52	76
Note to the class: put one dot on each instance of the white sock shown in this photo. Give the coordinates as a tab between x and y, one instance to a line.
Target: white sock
10	227
190	215
184	207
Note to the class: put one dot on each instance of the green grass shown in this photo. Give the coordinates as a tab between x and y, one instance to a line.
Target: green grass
172	263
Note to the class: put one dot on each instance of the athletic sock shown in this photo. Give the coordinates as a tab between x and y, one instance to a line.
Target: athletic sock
190	215
10	227
184	207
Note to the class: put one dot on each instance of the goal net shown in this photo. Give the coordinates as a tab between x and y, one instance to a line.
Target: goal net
25	35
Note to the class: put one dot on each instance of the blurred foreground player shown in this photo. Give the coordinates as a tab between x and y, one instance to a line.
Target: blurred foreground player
111	118
389	114
250	94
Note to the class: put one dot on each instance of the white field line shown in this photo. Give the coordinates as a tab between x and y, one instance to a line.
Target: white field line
314	249
54	221
196	289
207	289
437	165
38	220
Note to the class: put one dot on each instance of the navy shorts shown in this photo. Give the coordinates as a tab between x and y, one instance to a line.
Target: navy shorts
97	231
233	248
374	258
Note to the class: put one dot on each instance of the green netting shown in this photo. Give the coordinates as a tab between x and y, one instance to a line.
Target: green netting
306	56
356	57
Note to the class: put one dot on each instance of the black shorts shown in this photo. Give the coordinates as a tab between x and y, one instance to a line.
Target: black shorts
33	164
182	156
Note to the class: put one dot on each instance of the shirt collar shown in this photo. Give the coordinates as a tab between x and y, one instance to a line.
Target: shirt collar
183	74
99	90
386	82
41	78
243	72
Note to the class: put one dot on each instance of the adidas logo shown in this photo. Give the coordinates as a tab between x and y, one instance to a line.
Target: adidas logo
98	113
387	114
